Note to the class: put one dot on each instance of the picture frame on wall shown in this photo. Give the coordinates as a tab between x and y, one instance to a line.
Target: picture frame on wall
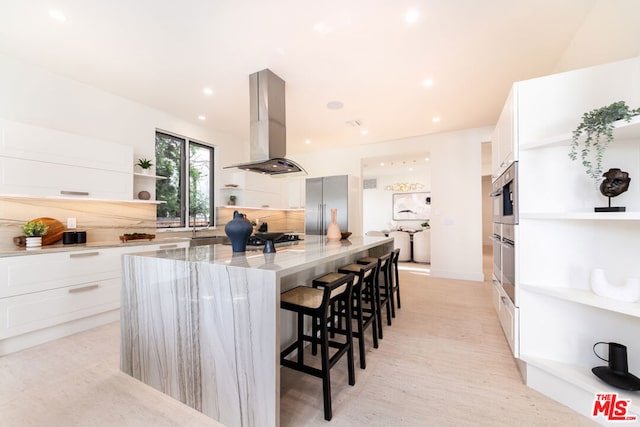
412	206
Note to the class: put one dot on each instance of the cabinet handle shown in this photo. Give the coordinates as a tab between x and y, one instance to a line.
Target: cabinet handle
74	193
168	246
504	300
83	289
84	254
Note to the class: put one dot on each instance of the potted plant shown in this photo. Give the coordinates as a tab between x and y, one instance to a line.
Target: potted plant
34	230
425	224
597	127
145	165
232	200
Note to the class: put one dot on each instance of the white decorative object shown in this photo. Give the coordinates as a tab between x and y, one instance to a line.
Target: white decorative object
34	242
629	292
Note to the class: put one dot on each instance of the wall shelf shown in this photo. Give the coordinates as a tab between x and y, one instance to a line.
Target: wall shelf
623	130
583	378
585	297
144	175
599	216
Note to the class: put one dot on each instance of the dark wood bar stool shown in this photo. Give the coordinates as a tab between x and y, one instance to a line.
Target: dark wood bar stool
394	281
364	315
315	303
382	287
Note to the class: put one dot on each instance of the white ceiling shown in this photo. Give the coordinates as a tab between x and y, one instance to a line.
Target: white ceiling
362	52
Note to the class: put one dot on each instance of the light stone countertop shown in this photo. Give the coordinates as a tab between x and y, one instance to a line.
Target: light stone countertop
59	247
313	250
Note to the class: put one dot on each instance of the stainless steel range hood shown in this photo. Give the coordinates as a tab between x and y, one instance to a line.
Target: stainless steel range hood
268	136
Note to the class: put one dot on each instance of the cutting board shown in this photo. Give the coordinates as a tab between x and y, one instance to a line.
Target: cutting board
54	234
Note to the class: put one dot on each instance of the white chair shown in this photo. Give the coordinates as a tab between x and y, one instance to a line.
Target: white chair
422	246
375	233
402	241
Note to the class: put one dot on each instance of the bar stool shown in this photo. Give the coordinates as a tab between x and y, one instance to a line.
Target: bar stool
395	281
315	303
382	290
364	316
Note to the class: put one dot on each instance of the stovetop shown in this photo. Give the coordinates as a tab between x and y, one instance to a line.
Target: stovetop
284	240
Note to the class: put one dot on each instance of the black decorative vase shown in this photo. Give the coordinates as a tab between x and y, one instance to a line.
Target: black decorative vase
238	230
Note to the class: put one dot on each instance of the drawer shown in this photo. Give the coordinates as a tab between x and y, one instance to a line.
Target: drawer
39	310
34	273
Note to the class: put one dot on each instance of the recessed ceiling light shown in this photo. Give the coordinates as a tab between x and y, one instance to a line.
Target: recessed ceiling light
411	16
308	141
381	163
410	169
364	132
427	83
201	117
207	91
335	105
426	159
57	15
436	119
322	28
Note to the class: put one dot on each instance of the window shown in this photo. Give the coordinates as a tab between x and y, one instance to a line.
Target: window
181	160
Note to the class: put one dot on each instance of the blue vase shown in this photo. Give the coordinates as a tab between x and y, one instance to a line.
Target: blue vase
238	230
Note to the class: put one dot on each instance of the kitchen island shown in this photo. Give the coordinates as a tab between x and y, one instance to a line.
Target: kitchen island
204	326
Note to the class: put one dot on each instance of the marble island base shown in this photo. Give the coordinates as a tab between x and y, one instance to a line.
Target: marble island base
204	326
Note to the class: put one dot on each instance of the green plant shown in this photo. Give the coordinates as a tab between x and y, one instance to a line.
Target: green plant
425	224
597	126
35	229
144	163
232	198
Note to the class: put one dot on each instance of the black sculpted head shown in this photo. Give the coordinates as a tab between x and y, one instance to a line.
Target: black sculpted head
615	182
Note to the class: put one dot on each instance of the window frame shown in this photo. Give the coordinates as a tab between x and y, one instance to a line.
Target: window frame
184	190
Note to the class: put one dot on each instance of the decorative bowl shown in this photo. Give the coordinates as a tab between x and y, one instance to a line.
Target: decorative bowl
345	234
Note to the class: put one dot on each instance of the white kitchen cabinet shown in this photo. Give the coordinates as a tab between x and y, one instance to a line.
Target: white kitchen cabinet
24	141
41	294
508	316
294	193
560	239
35	178
45	162
504	149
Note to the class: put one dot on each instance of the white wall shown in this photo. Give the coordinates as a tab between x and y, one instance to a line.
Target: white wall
456	187
377	203
36	96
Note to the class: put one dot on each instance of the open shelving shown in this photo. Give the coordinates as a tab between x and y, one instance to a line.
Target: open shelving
623	131
585	297
590	216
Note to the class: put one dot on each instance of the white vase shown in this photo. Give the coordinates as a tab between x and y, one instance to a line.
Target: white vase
34	242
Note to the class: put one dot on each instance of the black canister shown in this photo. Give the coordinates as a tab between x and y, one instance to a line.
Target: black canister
68	237
81	237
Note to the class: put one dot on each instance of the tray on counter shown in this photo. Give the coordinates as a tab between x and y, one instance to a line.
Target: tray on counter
137	236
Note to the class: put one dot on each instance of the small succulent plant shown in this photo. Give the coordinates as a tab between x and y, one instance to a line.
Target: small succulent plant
35	229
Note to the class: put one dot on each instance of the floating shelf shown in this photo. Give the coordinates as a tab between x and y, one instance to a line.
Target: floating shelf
623	130
144	175
600	216
580	296
583	378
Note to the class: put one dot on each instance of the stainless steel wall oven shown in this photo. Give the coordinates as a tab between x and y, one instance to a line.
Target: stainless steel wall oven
505	217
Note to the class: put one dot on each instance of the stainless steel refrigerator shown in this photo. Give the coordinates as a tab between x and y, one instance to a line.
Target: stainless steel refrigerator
322	195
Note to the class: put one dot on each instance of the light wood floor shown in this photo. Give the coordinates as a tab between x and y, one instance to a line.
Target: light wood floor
443	362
